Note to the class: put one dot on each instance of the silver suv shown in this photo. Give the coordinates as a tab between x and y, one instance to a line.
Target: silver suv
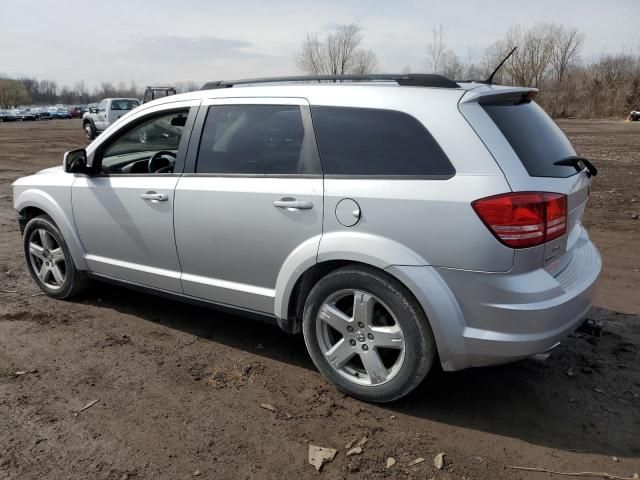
396	220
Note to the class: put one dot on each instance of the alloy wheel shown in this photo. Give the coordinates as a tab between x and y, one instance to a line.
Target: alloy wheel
360	337
47	259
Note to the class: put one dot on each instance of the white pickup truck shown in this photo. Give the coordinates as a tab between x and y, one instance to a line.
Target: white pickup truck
98	118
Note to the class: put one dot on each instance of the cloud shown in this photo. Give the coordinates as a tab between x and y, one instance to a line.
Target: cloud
169	49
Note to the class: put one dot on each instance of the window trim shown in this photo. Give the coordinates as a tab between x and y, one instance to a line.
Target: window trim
179	164
199	124
387	176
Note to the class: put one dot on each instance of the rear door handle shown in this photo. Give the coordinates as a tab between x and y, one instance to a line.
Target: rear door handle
293	204
155	197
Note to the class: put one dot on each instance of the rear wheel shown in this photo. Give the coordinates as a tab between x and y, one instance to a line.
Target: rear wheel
49	261
367	334
89	131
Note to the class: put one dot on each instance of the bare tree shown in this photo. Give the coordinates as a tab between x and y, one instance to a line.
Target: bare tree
12	93
567	43
451	66
338	54
530	64
436	47
189	86
81	92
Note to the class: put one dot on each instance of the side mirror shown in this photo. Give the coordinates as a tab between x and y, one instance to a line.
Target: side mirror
75	161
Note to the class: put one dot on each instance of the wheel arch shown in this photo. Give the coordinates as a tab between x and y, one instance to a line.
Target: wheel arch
33	202
422	280
336	249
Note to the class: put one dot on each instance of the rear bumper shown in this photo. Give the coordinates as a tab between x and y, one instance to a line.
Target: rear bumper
497	318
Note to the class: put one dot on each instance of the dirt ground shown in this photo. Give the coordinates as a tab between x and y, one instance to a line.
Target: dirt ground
179	388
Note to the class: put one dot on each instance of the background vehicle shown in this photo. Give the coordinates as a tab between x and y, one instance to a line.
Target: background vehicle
60	113
634	115
76	111
24	115
395	220
8	116
151	93
41	113
98	118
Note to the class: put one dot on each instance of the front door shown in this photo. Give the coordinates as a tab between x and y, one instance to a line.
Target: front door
124	215
101	116
253	195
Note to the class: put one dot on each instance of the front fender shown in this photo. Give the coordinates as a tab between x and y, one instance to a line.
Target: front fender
34	197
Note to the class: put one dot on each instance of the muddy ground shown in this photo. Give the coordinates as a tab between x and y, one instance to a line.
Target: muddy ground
179	388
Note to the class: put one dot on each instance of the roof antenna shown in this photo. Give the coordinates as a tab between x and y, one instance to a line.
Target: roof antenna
489	81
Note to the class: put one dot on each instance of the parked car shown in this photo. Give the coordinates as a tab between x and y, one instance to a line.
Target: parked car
98	118
634	115
60	113
8	116
41	114
24	115
76	111
396	221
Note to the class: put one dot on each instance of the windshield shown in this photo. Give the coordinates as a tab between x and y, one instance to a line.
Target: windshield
534	136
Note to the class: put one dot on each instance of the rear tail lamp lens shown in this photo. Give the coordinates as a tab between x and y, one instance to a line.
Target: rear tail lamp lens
524	219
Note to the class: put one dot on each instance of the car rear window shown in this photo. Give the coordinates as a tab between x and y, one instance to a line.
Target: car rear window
534	136
124	104
372	142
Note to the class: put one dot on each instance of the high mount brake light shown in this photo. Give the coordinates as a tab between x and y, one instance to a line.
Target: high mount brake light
524	219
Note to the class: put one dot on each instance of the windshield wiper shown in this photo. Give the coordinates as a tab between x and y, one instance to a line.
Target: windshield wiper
579	163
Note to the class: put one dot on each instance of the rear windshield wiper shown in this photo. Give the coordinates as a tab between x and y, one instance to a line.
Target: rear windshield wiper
579	163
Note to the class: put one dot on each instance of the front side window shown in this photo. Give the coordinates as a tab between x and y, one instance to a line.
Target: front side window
253	139
373	142
148	147
102	106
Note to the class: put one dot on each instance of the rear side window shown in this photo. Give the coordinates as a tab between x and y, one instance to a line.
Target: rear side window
254	139
535	138
371	142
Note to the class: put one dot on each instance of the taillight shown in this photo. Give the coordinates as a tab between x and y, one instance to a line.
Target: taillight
524	219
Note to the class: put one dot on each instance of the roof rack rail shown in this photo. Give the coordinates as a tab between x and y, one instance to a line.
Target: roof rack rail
409	79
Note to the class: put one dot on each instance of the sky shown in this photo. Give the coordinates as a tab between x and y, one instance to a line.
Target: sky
165	41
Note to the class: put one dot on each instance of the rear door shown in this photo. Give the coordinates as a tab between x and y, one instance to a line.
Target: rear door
251	194
526	143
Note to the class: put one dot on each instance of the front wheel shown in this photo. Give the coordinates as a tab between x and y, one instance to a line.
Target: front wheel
367	334
49	261
89	131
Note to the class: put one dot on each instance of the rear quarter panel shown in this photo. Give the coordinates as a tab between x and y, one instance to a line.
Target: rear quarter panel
431	218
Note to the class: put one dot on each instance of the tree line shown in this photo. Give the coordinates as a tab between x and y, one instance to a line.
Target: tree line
548	57
31	91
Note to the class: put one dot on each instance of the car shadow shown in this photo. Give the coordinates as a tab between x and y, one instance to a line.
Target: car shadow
578	400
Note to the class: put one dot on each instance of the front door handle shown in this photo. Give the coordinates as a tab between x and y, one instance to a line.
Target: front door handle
293	204
155	197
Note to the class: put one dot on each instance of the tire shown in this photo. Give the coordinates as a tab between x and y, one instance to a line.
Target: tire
394	340
89	130
44	245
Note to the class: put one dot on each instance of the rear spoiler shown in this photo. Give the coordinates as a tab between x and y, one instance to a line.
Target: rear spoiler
487	93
